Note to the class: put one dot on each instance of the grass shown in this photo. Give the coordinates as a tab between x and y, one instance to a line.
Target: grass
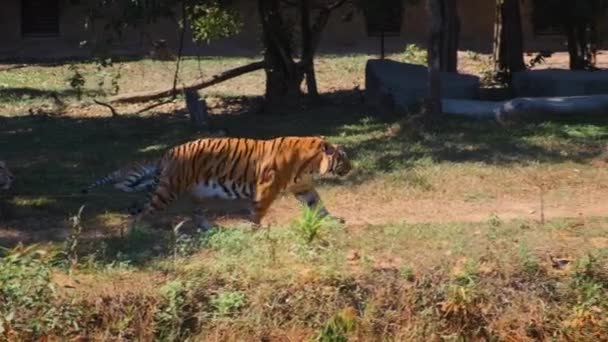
442	237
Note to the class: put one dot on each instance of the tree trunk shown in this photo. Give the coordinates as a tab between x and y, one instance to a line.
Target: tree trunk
573	50
283	77
433	102
197	107
450	32
580	46
307	60
508	38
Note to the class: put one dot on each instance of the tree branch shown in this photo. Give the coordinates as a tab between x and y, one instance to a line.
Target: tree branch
114	113
158	94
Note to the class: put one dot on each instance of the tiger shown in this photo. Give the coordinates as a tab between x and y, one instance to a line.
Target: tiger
238	168
6	177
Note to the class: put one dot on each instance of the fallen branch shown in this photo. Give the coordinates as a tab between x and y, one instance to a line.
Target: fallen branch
159	94
528	109
114	112
154	105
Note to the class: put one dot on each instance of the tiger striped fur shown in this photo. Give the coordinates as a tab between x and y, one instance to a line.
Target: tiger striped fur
239	168
136	177
6	177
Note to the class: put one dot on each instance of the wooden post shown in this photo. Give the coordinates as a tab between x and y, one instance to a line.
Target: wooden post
197	108
433	102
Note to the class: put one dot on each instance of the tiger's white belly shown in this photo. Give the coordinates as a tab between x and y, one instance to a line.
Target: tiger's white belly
215	190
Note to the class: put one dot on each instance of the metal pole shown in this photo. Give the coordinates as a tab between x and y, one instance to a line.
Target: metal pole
381	44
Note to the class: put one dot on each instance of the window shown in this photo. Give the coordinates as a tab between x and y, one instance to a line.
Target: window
39	18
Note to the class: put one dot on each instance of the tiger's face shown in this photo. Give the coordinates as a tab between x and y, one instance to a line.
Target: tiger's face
6	177
337	160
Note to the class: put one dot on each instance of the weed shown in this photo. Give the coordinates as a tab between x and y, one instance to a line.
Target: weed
69	254
338	327
27	296
228	241
416	179
76	80
494	221
414	54
407	272
463	301
169	319
529	263
310	224
588	289
474	56
228	302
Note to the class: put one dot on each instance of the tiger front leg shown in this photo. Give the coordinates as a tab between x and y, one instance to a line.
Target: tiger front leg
259	209
311	199
265	193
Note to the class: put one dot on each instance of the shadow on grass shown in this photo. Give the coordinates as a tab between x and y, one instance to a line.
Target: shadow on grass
8	95
53	157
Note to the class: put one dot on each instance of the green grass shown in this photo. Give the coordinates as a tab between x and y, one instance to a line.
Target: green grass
457	280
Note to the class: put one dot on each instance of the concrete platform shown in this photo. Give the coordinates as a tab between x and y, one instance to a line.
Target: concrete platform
559	82
393	87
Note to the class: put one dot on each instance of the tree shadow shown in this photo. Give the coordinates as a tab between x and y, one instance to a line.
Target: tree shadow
8	95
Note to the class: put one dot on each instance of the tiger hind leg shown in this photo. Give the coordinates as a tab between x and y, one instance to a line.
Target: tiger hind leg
158	200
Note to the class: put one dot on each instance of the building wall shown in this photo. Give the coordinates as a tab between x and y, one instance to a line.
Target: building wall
477	20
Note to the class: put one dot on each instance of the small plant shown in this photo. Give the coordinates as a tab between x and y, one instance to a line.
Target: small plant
338	327
543	182
414	54
587	290
494	221
417	180
27	296
76	81
407	272
169	318
68	256
474	56
530	264
229	241
228	302
105	71
309	225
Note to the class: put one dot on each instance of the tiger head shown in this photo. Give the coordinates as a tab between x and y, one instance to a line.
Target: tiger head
335	160
6	177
